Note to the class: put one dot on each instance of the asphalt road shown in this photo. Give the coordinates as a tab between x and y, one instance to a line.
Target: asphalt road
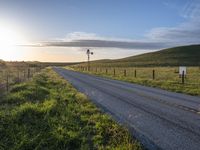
157	118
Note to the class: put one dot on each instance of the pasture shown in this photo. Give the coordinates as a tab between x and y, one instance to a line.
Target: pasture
163	77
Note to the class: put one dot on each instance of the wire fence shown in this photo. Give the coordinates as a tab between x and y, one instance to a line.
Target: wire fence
11	76
157	74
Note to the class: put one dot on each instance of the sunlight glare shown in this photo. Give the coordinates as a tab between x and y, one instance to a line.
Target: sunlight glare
10	39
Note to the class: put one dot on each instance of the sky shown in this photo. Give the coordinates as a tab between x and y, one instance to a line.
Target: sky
62	30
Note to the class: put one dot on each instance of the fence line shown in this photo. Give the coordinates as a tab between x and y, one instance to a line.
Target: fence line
157	74
9	78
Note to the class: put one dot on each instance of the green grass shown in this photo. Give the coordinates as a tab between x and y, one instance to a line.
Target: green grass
12	73
164	62
48	113
165	77
178	56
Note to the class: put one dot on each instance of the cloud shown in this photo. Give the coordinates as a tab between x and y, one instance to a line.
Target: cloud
80	36
191	9
89	40
107	43
186	33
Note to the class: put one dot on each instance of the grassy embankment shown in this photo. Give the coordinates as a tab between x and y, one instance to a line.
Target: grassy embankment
165	77
177	56
48	113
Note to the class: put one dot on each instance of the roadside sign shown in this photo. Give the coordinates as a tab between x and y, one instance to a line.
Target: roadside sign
182	69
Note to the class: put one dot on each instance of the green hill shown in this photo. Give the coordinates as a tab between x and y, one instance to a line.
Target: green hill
177	56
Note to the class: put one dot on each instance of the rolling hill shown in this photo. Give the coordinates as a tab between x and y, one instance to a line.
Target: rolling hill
177	56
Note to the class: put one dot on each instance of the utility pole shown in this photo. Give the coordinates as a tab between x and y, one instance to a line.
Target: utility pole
88	54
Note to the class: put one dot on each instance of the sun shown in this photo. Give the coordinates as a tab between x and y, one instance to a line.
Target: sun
10	41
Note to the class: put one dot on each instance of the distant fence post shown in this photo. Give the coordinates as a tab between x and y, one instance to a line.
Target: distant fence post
153	74
24	75
114	71
125	72
18	76
96	69
135	73
7	81
28	73
183	77
106	71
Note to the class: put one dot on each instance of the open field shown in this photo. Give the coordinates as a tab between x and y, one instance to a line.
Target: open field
165	77
176	56
46	112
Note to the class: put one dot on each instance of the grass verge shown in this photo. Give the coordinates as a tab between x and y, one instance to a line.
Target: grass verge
48	113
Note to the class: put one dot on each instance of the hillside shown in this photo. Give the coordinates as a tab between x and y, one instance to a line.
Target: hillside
184	55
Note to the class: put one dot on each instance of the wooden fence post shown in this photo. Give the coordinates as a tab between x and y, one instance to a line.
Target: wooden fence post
135	73
18	76
28	73
125	72
7	81
183	77
153	74
24	75
106	71
114	71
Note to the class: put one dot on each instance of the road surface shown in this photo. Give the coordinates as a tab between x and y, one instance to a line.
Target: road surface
157	118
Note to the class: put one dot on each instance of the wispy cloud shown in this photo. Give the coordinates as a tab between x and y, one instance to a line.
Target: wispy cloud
191	9
186	33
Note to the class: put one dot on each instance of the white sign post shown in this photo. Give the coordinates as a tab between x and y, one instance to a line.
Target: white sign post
182	71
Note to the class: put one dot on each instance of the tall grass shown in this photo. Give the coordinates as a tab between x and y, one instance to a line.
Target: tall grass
48	113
